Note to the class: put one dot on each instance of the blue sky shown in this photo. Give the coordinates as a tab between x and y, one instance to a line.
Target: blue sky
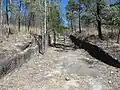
112	1
64	3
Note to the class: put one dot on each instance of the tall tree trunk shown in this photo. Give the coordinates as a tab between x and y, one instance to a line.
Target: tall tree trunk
79	16
99	20
31	15
19	16
72	25
49	39
118	38
45	27
48	25
1	17
25	19
29	22
75	26
64	41
33	19
7	18
54	39
72	21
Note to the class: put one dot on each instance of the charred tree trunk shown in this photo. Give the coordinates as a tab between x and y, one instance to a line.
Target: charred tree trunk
118	38
7	18
19	16
1	21
98	19
45	27
49	39
72	20
33	19
29	21
1	15
72	25
79	24
79	16
64	41
54	41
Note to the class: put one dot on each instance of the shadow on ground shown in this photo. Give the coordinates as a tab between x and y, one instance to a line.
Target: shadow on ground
62	47
96	52
58	45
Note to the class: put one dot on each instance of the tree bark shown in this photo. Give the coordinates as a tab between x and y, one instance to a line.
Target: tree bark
64	41
19	16
54	41
45	27
49	39
72	21
38	40
118	38
31	18
72	25
7	18
1	14
79	16
1	21
29	22
99	20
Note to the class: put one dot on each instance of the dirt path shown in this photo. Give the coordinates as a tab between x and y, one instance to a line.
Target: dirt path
70	70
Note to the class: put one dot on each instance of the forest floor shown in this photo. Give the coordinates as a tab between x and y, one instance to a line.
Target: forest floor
13	45
66	70
69	69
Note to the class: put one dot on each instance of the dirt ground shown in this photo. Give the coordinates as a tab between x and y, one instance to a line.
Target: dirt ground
63	70
70	70
60	69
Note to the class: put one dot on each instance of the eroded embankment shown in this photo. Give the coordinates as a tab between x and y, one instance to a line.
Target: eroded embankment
95	52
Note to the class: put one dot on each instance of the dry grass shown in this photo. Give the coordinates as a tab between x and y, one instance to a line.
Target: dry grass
16	37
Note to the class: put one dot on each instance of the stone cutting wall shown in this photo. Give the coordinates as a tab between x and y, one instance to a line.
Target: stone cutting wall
17	60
